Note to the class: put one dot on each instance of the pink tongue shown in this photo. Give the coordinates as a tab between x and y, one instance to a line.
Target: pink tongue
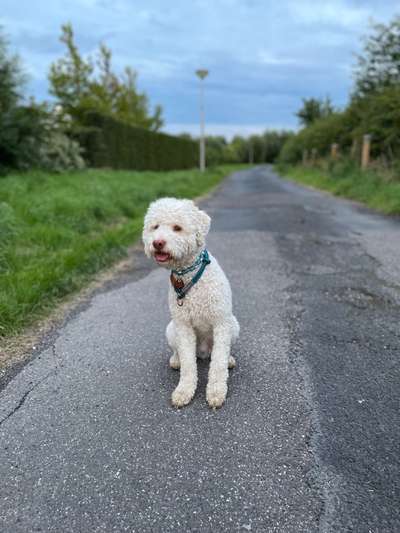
161	256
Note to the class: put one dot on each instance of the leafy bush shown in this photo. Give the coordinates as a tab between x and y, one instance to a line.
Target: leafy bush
379	115
36	139
292	150
58	153
335	128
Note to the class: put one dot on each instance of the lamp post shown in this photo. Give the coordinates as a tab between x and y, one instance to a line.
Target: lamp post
202	73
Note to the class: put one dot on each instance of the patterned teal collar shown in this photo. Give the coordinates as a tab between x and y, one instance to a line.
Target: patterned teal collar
177	282
197	262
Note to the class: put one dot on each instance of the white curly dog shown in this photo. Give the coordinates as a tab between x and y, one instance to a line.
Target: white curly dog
200	298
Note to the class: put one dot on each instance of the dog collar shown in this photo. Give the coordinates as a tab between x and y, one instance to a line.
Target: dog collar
178	284
192	267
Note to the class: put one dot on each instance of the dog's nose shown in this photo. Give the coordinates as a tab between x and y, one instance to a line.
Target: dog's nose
159	245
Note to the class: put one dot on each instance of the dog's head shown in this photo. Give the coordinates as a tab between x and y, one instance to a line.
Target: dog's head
174	231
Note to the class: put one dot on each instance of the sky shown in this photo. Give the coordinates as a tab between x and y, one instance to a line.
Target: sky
263	56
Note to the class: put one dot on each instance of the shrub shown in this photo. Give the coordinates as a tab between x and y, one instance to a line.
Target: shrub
58	153
39	141
379	115
335	128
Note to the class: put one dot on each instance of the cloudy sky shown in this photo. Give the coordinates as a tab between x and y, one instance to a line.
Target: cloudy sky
263	55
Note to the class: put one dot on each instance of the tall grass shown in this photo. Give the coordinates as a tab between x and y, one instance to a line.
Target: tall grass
379	190
56	231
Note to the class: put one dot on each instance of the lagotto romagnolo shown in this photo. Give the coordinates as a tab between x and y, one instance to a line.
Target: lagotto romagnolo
200	298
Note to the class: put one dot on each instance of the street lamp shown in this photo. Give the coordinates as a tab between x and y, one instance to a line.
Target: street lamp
202	73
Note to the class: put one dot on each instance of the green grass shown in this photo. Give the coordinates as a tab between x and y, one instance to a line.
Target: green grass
377	191
57	231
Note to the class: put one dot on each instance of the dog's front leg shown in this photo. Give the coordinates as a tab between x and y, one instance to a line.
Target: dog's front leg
217	386
186	346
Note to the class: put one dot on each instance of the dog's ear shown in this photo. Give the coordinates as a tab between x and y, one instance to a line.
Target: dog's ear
204	222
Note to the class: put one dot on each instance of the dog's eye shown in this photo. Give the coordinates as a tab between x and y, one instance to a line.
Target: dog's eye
177	228
156	226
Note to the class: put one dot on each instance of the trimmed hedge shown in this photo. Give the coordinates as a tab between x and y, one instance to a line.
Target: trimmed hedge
109	143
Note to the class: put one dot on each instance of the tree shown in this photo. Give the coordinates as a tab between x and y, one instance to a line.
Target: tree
215	149
314	109
11	78
186	136
13	123
273	142
132	106
378	66
240	149
70	76
81	84
378	114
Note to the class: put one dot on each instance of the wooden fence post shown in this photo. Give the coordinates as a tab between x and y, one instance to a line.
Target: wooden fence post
366	147
334	150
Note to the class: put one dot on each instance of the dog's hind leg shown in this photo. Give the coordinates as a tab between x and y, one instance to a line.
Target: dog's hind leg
171	339
235	335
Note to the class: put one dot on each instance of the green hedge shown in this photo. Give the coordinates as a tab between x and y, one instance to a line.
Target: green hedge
109	143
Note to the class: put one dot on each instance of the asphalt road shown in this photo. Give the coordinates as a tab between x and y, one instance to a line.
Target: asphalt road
309	438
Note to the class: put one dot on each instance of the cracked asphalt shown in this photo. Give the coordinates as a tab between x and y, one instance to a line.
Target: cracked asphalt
308	439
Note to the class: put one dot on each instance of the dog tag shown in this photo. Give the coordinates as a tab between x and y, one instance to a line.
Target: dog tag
179	302
177	282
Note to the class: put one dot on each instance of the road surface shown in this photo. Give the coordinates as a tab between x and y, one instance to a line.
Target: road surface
309	438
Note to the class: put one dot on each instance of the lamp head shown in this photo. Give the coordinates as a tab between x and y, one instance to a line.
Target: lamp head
202	73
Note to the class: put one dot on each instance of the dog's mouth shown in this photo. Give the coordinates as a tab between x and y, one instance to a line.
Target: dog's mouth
162	257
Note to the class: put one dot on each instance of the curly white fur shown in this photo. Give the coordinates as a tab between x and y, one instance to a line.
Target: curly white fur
174	234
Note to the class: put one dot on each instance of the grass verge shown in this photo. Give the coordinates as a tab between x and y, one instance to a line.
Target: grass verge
57	231
374	189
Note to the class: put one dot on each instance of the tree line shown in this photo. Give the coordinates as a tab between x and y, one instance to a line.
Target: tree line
263	148
373	108
46	134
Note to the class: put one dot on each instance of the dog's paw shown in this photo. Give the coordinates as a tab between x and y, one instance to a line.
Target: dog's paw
231	362
216	394
182	396
174	362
